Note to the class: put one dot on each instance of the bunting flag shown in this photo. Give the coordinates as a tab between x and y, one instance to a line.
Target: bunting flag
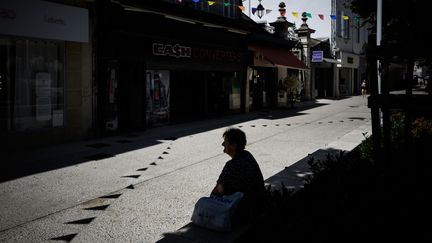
267	11
357	18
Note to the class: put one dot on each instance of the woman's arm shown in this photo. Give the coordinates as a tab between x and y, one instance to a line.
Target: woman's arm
218	190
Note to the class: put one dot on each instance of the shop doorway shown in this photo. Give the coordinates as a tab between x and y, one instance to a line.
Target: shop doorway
262	88
131	88
324	82
187	95
198	94
121	96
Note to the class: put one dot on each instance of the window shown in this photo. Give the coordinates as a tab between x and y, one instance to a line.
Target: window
343	27
229	11
34	71
339	24
358	29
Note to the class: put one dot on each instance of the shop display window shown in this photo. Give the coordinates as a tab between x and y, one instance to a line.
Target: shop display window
33	84
157	96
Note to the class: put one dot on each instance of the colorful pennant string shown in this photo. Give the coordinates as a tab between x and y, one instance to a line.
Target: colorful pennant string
357	18
267	11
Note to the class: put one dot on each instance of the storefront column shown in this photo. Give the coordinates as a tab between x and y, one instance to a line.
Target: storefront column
249	77
304	33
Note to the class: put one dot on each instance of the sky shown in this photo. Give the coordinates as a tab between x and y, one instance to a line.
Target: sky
322	27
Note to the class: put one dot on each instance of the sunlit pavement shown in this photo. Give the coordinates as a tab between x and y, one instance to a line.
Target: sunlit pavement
139	185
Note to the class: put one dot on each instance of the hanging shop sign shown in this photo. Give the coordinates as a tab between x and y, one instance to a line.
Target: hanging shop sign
317	56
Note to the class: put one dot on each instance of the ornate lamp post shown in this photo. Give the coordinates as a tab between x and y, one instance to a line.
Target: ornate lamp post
282	9
260	10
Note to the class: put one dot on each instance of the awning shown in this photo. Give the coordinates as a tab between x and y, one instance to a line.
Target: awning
330	60
280	57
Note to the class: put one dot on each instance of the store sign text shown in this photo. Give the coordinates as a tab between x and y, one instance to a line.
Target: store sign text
216	55
54	20
171	50
198	53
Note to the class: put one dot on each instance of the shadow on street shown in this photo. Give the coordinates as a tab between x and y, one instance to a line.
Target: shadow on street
17	164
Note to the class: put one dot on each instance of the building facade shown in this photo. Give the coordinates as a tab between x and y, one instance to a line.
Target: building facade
348	42
97	68
153	74
167	73
341	48
46	90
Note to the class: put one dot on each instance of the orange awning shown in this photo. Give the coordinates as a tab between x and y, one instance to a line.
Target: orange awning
280	57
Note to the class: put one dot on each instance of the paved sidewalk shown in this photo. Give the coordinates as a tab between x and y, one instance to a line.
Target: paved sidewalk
66	192
17	164
292	177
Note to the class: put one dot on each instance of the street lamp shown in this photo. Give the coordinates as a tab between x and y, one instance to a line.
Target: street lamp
282	9
260	10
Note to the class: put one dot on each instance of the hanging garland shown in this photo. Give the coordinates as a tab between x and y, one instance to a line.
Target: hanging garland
254	9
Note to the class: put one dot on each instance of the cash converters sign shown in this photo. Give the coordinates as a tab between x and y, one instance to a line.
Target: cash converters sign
201	53
176	50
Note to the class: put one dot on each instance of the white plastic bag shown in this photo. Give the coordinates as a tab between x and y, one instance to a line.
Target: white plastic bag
215	212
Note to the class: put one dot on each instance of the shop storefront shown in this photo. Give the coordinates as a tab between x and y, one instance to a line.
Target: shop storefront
348	74
167	73
325	74
36	41
32	76
203	81
275	78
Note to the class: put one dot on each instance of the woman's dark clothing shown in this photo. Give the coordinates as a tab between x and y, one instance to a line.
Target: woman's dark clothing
242	174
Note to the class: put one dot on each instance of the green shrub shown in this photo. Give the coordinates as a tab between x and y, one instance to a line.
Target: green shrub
421	128
366	147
